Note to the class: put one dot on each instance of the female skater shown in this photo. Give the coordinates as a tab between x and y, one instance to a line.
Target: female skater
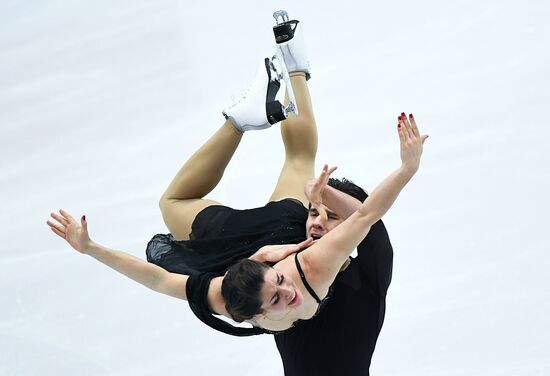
271	298
188	216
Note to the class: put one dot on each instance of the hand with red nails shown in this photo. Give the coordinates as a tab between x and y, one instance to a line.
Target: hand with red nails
69	229
411	142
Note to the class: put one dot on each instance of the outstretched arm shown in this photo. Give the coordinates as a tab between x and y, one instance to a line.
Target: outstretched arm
325	257
149	275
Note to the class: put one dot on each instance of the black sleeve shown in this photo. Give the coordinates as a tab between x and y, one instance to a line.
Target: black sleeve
197	297
375	257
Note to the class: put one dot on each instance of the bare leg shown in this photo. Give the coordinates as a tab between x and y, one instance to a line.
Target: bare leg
183	199
300	139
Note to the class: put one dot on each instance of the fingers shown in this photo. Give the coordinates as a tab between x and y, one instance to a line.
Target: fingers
414	127
306	243
84	223
58	229
322	212
424	138
66	215
323	173
59	233
326	172
60	219
401	132
405	126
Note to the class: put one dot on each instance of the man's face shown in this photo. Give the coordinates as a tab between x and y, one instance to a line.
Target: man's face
317	225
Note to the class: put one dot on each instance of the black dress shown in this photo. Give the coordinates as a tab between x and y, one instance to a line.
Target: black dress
341	338
220	236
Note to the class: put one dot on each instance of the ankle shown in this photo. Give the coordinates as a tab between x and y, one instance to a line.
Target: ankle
234	128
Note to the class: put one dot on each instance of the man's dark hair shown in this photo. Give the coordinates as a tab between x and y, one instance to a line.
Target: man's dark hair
241	289
347	186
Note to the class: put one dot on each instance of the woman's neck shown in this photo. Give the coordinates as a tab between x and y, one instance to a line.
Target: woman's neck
215	299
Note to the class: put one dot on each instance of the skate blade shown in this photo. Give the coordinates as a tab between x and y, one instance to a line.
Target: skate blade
283	15
282	74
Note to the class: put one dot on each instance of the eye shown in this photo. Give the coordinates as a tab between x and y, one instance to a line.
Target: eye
333	216
282	279
276	300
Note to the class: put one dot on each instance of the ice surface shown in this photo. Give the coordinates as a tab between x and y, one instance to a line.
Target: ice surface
101	102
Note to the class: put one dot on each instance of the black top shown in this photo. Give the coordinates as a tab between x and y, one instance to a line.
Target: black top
341	338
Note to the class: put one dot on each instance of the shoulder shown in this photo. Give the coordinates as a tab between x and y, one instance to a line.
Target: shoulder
289	205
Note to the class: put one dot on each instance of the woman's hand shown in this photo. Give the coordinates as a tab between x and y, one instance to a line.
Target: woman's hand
411	142
315	187
75	234
276	253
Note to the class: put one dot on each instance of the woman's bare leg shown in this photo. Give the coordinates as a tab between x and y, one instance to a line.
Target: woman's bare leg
183	199
300	139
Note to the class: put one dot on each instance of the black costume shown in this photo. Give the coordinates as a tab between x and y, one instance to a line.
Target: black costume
220	236
341	338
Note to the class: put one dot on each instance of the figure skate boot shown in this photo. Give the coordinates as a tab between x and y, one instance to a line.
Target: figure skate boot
259	108
290	43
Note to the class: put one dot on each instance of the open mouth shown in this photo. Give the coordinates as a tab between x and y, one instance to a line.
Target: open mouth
295	299
316	236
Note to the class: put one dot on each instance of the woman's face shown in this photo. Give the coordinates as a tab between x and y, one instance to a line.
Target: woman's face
279	292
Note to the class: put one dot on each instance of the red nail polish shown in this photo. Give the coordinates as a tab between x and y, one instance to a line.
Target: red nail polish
84	217
402	114
398	125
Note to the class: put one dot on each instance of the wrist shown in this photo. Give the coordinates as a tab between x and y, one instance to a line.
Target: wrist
91	248
409	169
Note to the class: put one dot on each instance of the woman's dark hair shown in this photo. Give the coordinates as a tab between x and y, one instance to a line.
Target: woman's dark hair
241	288
349	187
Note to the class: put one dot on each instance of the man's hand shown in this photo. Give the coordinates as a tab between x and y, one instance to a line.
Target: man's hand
276	253
67	228
315	187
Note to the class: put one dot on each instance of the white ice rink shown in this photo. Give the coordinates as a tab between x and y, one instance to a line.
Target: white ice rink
101	102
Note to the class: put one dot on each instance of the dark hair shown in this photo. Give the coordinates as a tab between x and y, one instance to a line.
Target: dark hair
347	186
241	289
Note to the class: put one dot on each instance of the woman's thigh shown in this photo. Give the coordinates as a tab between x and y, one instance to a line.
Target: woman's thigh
179	215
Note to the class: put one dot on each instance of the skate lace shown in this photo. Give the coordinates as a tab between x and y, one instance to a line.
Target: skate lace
242	97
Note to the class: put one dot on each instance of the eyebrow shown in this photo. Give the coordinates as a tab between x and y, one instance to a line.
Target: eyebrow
329	212
279	280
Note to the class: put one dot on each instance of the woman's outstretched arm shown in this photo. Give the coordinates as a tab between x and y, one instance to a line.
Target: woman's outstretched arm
149	275
324	258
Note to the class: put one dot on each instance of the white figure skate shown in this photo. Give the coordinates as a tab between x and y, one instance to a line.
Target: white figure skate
259	108
290	43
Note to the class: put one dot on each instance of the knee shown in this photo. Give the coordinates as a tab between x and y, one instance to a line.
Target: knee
163	203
